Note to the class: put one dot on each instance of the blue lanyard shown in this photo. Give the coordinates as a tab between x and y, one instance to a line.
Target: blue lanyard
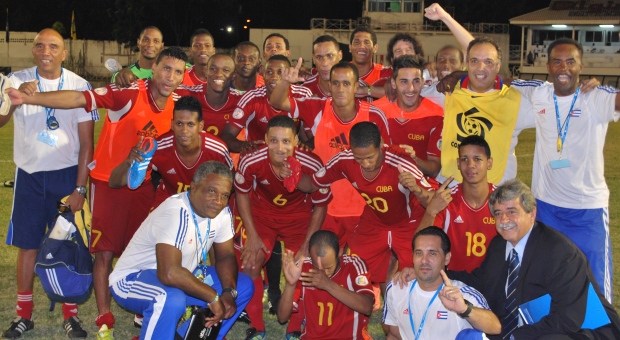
50	120
562	130
419	333
202	246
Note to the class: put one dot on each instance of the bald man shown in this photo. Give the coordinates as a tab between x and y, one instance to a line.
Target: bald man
52	149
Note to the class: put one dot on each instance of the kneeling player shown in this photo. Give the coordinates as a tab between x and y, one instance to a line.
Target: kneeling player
335	289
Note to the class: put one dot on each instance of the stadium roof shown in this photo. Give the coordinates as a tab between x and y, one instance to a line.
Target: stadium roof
573	12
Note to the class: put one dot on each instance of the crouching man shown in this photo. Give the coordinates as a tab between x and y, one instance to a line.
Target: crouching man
154	276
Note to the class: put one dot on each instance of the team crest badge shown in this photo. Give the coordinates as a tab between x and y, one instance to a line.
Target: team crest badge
101	91
239	178
238	113
361	280
323	190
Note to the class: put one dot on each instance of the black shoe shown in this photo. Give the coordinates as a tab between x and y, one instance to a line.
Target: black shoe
253	334
73	327
273	306
244	317
18	327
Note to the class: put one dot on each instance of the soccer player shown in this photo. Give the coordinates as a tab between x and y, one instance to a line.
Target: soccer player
144	109
363	46
150	43
274	44
463	211
52	150
154	276
201	49
179	152
254	109
330	120
269	210
334	290
414	121
326	53
217	99
440	308
247	64
391	213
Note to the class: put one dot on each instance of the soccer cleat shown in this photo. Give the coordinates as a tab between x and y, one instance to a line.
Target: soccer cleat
244	317
137	171
73	328
296	335
105	334
253	334
137	320
18	327
273	306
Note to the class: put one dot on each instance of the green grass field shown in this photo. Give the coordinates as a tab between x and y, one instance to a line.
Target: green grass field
48	325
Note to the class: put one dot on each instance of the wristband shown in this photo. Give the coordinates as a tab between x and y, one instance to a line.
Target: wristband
217	298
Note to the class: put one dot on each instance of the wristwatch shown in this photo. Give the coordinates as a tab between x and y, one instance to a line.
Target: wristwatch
81	190
232	291
466	313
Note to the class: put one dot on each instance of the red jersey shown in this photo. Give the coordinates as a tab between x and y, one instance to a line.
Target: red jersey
421	128
175	175
267	193
215	119
253	111
313	85
470	230
312	110
327	317
377	76
190	78
331	136
388	203
132	113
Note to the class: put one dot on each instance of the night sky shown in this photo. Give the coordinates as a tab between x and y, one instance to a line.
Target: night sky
122	19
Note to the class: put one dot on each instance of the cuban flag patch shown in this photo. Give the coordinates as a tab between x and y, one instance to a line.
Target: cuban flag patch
576	113
442	315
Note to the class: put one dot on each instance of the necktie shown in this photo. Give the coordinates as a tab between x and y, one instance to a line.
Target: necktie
511	319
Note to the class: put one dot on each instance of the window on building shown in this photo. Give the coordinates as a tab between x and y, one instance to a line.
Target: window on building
404	6
594	36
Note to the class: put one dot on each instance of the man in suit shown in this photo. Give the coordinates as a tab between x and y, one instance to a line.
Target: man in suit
547	262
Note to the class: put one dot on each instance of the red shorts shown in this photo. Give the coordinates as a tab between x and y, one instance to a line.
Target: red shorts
117	214
272	230
342	226
375	245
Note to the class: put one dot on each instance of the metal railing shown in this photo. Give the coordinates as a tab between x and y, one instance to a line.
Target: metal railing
351	24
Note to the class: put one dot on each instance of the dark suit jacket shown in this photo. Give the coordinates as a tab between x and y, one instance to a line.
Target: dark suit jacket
551	264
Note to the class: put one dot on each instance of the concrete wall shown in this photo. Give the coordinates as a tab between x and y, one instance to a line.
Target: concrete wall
301	42
85	57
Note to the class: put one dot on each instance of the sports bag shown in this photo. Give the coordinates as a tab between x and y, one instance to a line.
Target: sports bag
64	263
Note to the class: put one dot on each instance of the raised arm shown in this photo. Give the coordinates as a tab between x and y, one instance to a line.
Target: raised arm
292	271
480	318
279	95
436	12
